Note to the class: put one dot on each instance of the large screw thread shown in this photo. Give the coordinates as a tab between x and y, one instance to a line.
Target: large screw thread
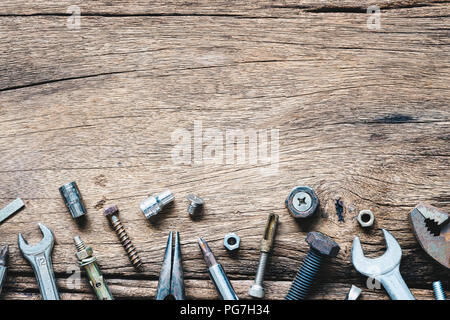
439	291
305	276
126	242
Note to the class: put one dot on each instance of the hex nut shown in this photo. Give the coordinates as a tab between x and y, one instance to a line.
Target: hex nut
366	218
302	202
231	241
84	254
323	244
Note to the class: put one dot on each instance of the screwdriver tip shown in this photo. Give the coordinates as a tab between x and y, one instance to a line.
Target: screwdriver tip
4	255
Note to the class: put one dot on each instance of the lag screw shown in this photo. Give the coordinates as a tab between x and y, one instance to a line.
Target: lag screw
112	214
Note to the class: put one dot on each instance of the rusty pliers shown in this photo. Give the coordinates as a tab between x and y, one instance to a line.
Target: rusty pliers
432	229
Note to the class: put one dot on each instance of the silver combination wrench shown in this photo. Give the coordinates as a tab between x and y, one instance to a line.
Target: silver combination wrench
40	259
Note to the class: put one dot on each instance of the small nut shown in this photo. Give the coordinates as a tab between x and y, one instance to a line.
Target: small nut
84	254
231	241
366	218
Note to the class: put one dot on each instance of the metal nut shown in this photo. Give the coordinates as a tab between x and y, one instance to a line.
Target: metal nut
302	202
366	218
84	254
231	241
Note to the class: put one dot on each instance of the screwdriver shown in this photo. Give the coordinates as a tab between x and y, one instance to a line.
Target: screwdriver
216	273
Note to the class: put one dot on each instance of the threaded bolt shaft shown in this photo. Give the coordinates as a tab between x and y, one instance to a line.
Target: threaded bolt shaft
79	244
305	276
111	214
439	292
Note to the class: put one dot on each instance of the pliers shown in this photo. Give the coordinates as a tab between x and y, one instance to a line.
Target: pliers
432	230
171	279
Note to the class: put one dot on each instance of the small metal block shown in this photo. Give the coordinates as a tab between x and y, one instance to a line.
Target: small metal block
302	202
72	198
155	203
10	209
231	241
366	218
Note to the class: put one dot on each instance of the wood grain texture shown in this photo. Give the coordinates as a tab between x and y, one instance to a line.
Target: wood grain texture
362	115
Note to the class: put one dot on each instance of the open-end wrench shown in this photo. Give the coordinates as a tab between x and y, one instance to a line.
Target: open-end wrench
384	269
40	259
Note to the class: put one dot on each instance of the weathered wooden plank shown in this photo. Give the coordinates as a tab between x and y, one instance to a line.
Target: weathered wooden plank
361	115
26	288
204	7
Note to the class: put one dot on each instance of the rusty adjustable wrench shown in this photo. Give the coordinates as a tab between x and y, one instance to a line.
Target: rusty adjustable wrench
432	229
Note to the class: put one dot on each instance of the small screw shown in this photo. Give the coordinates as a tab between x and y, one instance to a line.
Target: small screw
439	292
195	204
321	246
112	214
302	202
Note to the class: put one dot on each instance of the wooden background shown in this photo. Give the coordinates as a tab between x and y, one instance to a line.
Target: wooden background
362	115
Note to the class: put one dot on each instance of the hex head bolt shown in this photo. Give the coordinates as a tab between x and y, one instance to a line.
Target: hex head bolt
112	214
302	202
257	289
321	247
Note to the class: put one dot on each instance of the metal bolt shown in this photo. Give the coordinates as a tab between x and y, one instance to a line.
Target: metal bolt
86	259
155	203
321	246
302	202
111	213
195	204
439	292
257	289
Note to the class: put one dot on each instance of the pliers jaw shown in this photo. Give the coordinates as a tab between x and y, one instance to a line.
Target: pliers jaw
432	230
171	279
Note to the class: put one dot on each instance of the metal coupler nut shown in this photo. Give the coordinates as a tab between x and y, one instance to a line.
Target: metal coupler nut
302	202
155	203
72	198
